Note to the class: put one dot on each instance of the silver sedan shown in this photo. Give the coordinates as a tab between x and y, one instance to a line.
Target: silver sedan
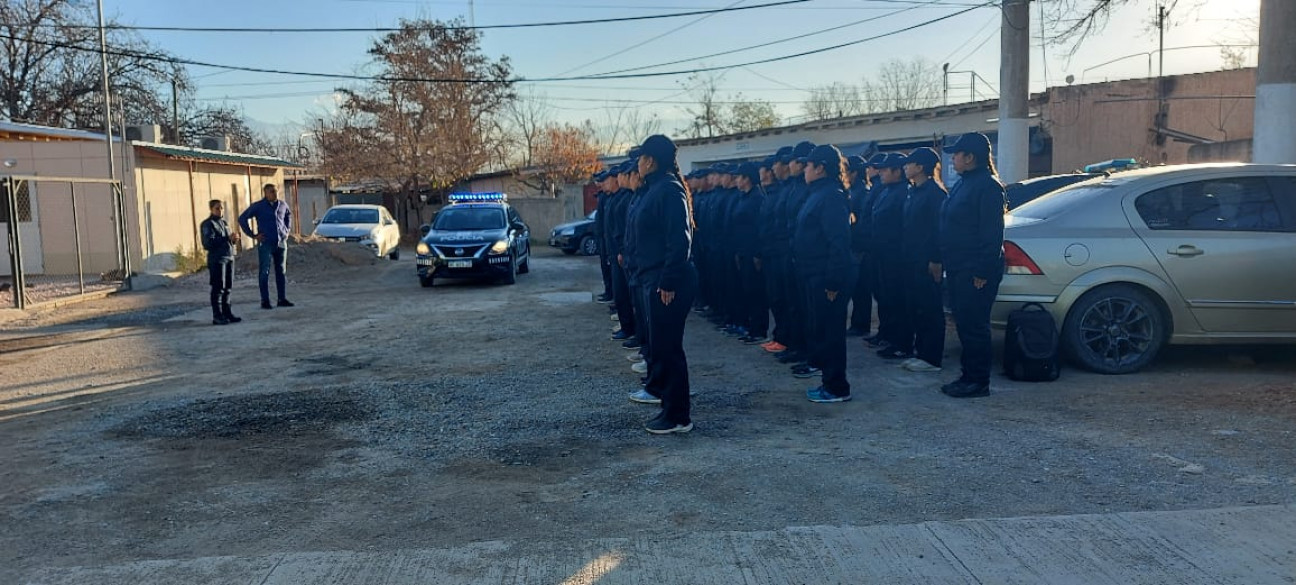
1190	254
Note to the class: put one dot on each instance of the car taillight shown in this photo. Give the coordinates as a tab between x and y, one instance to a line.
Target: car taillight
1017	262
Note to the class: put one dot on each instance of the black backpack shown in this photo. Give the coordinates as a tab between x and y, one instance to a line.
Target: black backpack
1031	345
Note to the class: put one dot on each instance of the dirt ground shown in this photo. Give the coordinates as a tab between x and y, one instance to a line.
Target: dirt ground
379	415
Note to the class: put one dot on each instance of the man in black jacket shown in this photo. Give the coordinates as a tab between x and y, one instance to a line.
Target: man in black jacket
219	242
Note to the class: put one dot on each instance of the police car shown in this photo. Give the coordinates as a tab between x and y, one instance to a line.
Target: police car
477	235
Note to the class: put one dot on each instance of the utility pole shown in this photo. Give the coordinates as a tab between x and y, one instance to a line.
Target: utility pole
1275	126
107	96
175	112
1014	89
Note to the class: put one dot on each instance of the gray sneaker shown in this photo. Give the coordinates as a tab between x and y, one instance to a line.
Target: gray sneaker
642	396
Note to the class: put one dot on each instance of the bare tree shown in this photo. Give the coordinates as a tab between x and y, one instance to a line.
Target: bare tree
1232	45
902	85
623	127
525	120
748	115
564	153
416	136
706	115
225	121
1068	23
835	100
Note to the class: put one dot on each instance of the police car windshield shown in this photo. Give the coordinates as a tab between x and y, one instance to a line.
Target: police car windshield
351	216
469	218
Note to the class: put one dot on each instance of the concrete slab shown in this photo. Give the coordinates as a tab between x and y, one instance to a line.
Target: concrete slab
1251	546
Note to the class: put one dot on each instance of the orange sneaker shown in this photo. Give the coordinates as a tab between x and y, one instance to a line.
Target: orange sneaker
774	347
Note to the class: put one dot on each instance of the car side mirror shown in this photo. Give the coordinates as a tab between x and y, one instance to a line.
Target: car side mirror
316	222
519	226
424	229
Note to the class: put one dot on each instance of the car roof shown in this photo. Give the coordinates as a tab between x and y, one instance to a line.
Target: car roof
1189	170
499	204
356	206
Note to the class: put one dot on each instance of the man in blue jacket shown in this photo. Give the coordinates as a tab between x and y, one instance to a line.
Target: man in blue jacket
273	224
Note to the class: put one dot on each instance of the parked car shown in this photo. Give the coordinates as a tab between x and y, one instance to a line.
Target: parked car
1190	254
478	235
371	226
1023	192
576	236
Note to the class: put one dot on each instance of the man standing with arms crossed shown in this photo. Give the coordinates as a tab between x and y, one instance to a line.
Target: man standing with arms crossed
273	222
219	242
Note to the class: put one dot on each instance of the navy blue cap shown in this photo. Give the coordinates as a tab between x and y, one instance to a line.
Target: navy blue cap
803	149
972	142
826	155
634	153
599	177
769	161
893	160
924	157
877	160
627	166
856	162
659	147
750	170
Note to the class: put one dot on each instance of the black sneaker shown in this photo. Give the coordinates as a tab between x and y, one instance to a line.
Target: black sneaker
792	358
621	335
892	353
285	303
661	426
220	321
232	319
968	390
631	343
952	385
806	371
266	305
604	298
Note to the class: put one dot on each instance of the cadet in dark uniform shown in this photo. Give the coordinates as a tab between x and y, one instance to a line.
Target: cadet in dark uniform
614	213
745	238
776	251
659	237
794	196
600	236
971	246
888	222
219	242
861	201
821	251
923	331
869	266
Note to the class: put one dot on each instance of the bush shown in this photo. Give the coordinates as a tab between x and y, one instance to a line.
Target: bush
195	260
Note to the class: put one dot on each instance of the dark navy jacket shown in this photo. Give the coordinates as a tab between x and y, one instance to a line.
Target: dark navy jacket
821	238
922	209
659	234
745	223
600	219
215	239
793	198
972	225
614	225
861	205
774	228
888	219
702	204
273	219
725	223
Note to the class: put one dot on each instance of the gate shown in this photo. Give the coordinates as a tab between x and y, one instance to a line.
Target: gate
66	238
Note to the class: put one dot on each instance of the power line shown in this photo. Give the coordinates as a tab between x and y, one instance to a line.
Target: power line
707	13
644	42
353	77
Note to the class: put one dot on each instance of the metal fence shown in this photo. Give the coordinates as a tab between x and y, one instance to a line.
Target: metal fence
66	238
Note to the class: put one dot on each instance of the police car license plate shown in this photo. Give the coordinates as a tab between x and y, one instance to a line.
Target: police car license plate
459	263
425	262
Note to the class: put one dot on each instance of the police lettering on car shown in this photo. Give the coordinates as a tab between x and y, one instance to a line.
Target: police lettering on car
971	250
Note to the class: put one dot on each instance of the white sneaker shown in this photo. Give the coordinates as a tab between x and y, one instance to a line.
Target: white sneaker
634	357
921	366
639	368
909	362
616	328
614	317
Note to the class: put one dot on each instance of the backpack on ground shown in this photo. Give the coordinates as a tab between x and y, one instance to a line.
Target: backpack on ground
1031	345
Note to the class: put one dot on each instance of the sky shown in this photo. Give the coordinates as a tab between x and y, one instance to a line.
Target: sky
969	42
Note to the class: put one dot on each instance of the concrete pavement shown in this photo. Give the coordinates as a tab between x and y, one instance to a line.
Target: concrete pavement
1251	546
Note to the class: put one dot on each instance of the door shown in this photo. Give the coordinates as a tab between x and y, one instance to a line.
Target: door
28	230
390	231
1229	248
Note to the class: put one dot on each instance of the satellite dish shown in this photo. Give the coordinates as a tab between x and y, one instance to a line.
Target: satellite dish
1070	79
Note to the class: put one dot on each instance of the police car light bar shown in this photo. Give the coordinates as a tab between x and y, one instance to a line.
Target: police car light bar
467	197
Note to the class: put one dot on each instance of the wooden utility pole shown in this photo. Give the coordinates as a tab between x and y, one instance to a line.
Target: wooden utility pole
1014	92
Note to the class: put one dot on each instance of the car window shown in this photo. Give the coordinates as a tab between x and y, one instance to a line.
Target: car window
1053	204
350	216
469	218
1232	204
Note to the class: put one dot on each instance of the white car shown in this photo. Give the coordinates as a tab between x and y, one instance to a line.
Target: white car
370	225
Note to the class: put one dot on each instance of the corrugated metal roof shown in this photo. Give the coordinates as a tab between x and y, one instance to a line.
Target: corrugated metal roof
215	156
49	132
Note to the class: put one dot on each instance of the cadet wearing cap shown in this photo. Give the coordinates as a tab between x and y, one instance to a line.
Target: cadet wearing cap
659	236
821	251
870	263
776	258
600	235
888	222
923	329
618	202
861	320
744	235
798	305
971	248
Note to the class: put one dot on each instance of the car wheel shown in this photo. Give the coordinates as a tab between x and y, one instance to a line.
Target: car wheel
511	277
588	246
426	281
395	254
1115	329
525	266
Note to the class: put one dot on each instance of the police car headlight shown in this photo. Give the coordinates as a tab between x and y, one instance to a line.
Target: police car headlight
499	247
423	248
568	232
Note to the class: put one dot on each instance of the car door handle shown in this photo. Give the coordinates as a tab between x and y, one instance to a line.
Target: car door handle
1185	251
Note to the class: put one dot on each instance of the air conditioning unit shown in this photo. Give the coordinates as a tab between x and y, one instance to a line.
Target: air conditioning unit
220	143
144	133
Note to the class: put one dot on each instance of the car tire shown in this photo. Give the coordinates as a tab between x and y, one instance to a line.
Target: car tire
395	254
426	281
511	277
525	266
1114	329
588	246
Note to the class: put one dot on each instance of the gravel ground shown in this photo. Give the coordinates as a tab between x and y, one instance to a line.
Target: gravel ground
378	415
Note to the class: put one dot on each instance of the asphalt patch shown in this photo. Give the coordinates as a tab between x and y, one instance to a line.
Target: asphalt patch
282	414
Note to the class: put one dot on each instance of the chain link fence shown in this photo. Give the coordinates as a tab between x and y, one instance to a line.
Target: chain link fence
65	239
